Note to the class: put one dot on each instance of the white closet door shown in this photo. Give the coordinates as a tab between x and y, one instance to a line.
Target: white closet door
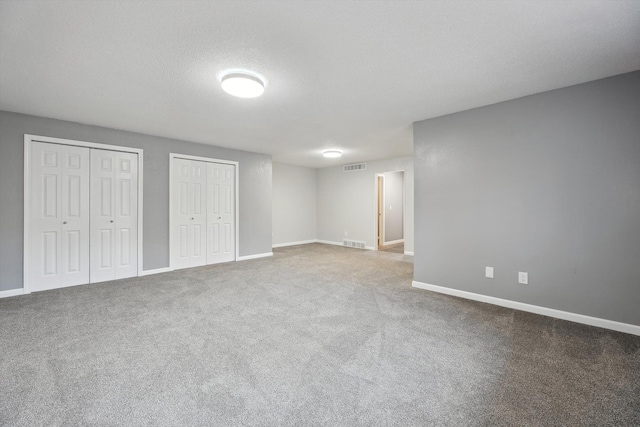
189	213
114	215
221	236
59	213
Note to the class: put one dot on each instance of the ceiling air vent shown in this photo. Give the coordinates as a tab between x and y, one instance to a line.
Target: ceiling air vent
354	167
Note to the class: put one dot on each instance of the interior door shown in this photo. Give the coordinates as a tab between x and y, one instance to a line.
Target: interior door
221	217
380	209
59	214
189	213
114	219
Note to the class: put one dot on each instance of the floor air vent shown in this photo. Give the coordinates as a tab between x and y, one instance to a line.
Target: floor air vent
354	244
354	167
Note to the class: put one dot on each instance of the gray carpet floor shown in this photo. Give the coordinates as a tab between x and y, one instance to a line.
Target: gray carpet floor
398	249
315	335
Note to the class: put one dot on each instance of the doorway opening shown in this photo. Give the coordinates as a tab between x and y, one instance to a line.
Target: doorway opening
390	203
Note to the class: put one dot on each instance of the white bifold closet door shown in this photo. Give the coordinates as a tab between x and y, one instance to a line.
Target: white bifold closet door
221	217
83	210
59	216
114	215
203	213
189	213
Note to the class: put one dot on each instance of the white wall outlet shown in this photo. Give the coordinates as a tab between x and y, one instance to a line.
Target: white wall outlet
488	272
523	278
346	234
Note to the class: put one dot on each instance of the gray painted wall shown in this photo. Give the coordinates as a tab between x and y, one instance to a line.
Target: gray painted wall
548	184
255	188
294	203
393	200
347	202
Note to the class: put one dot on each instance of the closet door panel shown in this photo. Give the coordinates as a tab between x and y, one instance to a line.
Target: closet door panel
102	215
126	213
189	213
114	208
59	216
181	232
220	213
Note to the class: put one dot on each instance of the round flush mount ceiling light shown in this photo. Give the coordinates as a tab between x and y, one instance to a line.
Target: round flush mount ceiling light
242	85
332	154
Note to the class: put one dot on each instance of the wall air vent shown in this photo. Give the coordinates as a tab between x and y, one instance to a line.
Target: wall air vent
354	244
354	167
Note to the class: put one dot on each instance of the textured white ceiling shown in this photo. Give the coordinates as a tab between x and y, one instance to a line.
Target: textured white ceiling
346	75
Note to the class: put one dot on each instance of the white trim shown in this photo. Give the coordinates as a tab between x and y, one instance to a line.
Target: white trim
28	139
329	242
302	242
551	312
408	253
248	257
156	271
11	293
394	242
236	184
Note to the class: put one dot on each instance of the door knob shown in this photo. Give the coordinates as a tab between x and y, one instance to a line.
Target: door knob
64	222
191	219
111	221
219	217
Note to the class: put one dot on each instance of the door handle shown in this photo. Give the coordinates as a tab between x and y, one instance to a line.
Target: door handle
64	222
191	219
111	221
219	217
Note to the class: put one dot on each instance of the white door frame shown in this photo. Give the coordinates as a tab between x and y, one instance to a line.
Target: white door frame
375	213
27	184
237	197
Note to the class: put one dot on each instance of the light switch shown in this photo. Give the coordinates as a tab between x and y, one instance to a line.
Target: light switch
488	272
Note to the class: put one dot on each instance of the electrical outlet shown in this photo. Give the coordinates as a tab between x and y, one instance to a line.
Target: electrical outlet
523	278
346	234
488	272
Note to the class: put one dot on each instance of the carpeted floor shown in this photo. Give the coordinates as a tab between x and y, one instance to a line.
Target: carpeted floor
398	249
315	335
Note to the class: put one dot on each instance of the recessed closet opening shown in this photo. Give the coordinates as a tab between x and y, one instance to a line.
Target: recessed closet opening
82	213
203	211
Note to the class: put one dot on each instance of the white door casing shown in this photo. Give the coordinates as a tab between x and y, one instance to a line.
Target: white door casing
59	216
114	227
189	208
220	213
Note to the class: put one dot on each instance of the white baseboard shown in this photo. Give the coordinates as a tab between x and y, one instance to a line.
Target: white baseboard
156	271
248	257
11	293
329	242
551	312
393	242
302	242
408	253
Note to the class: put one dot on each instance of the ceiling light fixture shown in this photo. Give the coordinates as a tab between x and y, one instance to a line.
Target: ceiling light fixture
332	154
242	85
